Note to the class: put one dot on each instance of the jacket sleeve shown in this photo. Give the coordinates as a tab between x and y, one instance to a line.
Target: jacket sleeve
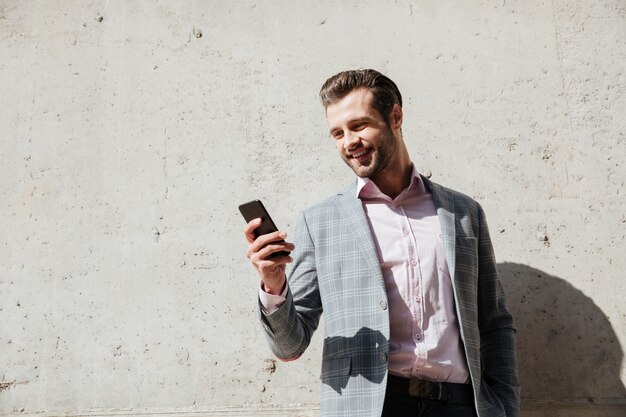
497	332
288	330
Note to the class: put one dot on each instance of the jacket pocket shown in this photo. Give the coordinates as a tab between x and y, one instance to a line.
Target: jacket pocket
336	367
467	244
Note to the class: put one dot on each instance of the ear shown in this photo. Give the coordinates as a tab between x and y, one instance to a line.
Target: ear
395	119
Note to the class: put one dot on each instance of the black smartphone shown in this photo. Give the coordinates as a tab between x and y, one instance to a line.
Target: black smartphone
255	209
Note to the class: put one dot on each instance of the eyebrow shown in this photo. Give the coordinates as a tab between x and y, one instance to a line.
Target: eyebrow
360	119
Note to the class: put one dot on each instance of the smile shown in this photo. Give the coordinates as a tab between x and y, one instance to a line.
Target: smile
361	153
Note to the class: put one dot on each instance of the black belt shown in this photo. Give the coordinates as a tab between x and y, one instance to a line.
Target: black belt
454	394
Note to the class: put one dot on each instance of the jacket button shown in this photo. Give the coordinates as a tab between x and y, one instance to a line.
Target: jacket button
383	358
383	305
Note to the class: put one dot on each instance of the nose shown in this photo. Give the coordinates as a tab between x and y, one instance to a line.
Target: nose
350	139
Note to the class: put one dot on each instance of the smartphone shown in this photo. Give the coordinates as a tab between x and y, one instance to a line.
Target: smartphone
253	210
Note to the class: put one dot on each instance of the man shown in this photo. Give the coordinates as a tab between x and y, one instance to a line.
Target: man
414	313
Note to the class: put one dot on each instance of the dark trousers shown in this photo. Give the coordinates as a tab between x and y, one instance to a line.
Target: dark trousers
400	404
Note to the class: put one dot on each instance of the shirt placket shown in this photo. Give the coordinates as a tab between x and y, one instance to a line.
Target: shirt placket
414	287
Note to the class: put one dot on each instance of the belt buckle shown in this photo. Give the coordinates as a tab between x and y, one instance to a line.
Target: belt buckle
425	389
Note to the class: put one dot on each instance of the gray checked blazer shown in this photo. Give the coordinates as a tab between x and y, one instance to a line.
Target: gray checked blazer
336	270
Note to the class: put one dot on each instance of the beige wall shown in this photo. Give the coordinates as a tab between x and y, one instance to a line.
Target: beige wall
130	131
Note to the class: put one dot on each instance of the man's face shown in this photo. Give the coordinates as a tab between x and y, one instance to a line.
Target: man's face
364	140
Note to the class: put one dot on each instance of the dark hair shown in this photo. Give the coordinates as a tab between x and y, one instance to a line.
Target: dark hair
385	91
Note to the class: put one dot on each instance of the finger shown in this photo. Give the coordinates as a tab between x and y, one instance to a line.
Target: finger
285	260
270	249
269	253
270	265
281	245
263	240
249	229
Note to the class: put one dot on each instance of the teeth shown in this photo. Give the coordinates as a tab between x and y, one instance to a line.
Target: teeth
356	155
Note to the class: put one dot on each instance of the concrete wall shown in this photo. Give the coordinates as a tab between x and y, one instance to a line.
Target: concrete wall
131	130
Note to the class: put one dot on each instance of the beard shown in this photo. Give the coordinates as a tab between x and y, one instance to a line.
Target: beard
379	158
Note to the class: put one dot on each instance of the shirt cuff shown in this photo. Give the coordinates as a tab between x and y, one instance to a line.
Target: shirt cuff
269	302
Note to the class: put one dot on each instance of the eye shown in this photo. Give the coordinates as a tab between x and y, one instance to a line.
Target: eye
338	134
359	126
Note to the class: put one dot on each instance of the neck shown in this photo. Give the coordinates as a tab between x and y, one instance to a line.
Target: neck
392	181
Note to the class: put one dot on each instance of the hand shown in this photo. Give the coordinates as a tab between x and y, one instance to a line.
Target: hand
271	269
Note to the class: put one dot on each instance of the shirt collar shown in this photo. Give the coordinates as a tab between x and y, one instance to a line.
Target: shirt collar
366	188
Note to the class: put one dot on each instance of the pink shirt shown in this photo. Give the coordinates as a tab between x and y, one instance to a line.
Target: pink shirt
424	340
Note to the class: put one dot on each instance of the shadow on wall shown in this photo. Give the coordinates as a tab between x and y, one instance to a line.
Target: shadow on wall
567	348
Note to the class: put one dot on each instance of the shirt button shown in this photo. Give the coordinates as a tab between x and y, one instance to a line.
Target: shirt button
383	305
406	232
413	262
383	358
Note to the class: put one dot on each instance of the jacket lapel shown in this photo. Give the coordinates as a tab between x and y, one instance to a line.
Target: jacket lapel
444	204
352	209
